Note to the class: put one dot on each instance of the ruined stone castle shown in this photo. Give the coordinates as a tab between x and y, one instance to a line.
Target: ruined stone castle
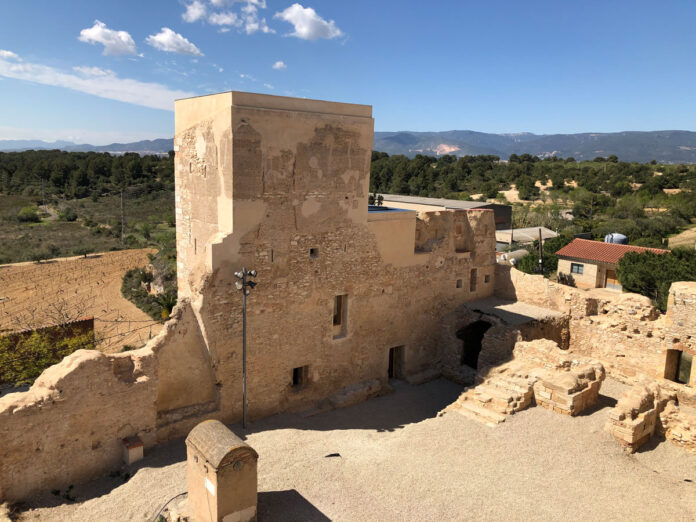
348	297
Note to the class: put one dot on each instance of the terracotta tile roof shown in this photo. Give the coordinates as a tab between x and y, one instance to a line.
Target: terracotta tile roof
602	252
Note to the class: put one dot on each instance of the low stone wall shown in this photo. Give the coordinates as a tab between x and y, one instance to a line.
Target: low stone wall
635	418
570	392
67	428
623	331
678	425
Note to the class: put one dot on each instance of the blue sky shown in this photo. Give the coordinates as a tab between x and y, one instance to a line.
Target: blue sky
100	72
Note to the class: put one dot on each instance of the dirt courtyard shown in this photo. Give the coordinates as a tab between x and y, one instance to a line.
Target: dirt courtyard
399	461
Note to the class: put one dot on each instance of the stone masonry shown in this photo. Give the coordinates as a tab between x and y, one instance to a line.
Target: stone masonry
346	299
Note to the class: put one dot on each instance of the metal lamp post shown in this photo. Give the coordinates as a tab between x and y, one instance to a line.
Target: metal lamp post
245	286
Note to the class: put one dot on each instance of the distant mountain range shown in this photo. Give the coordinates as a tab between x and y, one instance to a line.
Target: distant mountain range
158	146
663	146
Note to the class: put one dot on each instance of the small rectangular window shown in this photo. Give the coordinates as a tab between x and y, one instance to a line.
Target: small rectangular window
576	268
300	376
459	283
313	253
340	316
487	278
472	281
339	309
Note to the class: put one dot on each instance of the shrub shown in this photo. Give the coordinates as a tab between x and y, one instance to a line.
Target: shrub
28	215
652	274
22	360
68	214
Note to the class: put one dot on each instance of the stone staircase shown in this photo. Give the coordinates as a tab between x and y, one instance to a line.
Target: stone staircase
495	398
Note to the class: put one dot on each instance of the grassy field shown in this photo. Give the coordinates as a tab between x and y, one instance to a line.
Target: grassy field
687	238
149	222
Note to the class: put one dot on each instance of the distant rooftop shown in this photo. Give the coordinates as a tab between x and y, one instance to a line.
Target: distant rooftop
376	208
523	235
601	252
436	202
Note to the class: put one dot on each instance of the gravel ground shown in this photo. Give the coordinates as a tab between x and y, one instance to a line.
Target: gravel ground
399	461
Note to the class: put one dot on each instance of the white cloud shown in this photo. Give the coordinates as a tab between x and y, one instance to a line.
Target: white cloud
308	24
9	55
280	64
93	71
171	42
252	22
105	84
194	11
226	18
247	77
114	42
268	86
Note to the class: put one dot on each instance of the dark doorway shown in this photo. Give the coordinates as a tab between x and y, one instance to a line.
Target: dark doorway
678	366
471	337
396	362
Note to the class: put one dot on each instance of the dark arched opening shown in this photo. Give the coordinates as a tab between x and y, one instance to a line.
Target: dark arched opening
471	336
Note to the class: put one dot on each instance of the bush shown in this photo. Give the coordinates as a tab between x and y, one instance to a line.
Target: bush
136	280
652	274
68	214
28	215
23	359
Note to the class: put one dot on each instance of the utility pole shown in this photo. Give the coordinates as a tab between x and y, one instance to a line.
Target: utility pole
245	286
541	254
123	221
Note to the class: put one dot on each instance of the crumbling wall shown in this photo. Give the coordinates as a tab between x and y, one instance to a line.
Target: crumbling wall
678	425
624	331
67	428
636	416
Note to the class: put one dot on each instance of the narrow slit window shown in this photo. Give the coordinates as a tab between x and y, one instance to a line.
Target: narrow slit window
459	283
339	310
487	278
472	281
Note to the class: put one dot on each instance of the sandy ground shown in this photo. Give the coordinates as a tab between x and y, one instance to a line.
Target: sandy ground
399	461
43	294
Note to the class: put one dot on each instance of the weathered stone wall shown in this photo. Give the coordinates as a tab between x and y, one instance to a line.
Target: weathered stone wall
68	427
278	185
624	331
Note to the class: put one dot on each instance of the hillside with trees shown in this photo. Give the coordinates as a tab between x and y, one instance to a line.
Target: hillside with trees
55	203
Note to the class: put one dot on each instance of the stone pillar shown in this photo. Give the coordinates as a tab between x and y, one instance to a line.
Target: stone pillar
221	474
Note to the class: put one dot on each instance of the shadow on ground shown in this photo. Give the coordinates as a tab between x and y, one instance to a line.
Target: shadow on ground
603	401
406	405
384	413
289	506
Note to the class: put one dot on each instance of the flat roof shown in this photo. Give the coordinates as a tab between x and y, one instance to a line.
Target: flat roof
522	235
437	202
271	101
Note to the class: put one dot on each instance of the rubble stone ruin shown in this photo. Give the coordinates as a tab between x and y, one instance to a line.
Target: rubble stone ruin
348	297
